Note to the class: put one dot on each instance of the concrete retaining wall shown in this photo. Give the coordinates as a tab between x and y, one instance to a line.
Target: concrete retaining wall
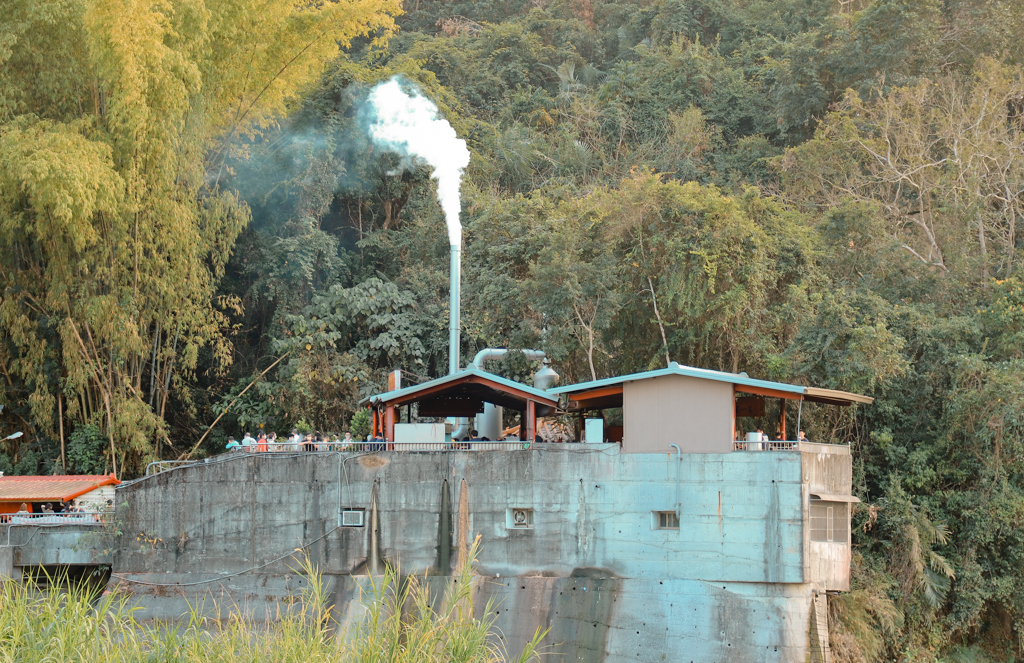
727	585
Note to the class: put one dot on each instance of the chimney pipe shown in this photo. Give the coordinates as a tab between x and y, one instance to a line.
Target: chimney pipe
454	331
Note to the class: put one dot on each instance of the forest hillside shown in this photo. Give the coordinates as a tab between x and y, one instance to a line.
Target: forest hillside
814	191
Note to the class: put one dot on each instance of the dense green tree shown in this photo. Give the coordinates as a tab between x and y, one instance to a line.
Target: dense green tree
115	228
198	227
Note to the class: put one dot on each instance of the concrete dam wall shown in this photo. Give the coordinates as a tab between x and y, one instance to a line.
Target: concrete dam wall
575	538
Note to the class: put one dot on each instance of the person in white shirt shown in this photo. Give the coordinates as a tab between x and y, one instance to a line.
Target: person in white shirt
248	441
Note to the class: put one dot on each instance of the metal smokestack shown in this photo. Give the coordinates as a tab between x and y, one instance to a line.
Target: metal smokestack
402	120
454	315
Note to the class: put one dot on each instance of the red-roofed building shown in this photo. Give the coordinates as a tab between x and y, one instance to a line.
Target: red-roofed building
90	491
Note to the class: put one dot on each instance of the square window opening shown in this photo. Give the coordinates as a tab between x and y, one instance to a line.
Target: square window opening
666	520
829	521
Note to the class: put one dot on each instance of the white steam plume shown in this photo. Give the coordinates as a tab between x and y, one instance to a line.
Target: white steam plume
411	125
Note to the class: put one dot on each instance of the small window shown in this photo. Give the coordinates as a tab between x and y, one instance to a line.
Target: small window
830	521
519	518
666	520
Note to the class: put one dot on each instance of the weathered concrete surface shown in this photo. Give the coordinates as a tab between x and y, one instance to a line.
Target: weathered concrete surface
28	546
827	469
7	563
56	545
728	585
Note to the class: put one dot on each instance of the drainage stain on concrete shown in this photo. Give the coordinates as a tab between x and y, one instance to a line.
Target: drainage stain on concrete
581	614
444	531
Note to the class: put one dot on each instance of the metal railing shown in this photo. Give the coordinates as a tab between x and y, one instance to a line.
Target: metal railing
788	445
291	447
159	466
70	518
771	445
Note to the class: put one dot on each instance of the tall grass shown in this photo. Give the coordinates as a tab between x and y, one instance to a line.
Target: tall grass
403	623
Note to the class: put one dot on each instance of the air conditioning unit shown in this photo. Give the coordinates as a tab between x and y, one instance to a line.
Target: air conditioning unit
352	518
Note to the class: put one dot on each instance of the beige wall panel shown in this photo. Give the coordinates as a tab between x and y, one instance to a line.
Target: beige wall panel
696	414
830	565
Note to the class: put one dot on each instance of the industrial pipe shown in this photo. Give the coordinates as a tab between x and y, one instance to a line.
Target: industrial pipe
679	462
454	331
488	424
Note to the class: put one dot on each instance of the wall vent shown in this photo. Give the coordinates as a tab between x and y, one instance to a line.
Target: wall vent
352	518
519	518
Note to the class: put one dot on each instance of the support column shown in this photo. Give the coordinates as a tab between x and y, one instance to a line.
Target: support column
782	418
531	420
389	423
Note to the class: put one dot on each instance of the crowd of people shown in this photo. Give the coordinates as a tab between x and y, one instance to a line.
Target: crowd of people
265	442
298	442
58	510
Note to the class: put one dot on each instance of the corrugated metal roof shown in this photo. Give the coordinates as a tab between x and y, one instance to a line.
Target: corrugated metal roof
455	377
56	488
706	374
678	369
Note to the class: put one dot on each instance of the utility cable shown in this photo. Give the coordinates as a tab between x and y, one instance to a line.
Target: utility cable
227	575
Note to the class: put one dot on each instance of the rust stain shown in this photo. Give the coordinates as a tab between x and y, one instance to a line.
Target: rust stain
373	462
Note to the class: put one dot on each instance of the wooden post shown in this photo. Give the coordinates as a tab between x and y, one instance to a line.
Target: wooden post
782	418
389	423
531	420
733	413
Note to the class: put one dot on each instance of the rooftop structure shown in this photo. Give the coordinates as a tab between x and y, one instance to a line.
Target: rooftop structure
694	408
33	490
461	394
61	538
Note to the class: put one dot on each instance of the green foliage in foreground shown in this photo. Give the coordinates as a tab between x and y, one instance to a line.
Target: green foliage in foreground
402	623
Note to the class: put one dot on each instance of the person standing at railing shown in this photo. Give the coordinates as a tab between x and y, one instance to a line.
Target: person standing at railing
261	442
295	440
23	510
801	437
248	442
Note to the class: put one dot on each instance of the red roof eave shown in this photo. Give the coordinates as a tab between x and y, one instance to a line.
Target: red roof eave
50	488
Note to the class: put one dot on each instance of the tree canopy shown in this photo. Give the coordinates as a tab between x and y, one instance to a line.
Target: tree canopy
198	229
